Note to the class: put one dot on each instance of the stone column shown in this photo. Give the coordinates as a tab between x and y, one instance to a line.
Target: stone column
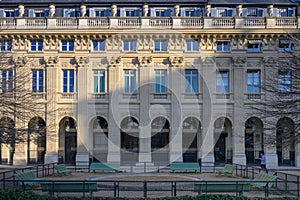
208	77
238	133
297	152
270	146
83	135
145	122
51	116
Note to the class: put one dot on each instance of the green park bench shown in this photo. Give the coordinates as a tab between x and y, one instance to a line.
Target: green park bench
227	170
78	186
110	166
184	166
263	180
221	186
61	169
27	178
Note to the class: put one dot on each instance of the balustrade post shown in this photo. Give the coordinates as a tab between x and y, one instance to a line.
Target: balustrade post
270	22
20	23
145	22
82	23
51	23
176	23
113	22
207	23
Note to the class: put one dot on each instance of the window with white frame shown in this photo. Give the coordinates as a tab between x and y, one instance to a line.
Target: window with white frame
38	12
129	45
284	81
6	45
7	80
192	45
71	12
254	46
36	45
253	81
68	80
160	81
99	81
254	12
160	45
223	46
100	13
67	45
160	13
129	81
285	12
285	45
191	80
37	82
10	13
98	45
221	12
222	81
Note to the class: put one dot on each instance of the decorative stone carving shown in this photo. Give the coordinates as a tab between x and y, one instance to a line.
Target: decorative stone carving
239	10
114	43
269	60
176	61
114	10
51	60
82	43
113	61
21	10
207	60
142	60
208	10
176	10
20	61
83	10
50	42
19	42
270	10
176	42
239	61
51	10
145	10
81	60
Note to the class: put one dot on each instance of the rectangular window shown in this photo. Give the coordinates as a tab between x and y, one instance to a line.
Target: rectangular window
99	81
285	45
190	13
36	45
7	80
100	13
285	12
254	46
222	85
129	45
160	13
129	81
160	45
191	80
98	45
192	45
130	13
6	45
67	45
223	46
68	80
253	81
284	81
160	81
254	12
37	81
224	12
10	13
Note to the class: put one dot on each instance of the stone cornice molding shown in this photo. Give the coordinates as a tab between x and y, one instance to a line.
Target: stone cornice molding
81	60
143	60
239	61
113	61
51	61
176	61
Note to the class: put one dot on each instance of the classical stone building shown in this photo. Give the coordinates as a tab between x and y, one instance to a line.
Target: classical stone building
148	81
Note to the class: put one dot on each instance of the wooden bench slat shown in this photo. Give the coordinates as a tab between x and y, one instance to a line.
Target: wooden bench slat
182	166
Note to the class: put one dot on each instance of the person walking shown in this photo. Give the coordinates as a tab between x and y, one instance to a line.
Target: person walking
263	162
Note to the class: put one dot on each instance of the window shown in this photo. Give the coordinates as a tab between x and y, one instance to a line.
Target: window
71	12
99	13
130	13
160	45
129	45
254	46
37	81
99	81
7	80
221	12
36	45
222	82
253	81
68	80
6	45
190	13
192	45
160	81
10	13
38	12
285	12
285	45
98	45
284	81
67	45
191	83
160	13
254	12
223	46
129	81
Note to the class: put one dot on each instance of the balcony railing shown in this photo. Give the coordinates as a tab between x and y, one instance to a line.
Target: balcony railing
149	22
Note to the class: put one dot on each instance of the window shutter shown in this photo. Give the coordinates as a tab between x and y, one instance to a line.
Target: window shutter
47	13
182	12
198	12
77	12
137	12
229	12
2	14
107	12
92	12
31	13
290	12
16	13
245	12
152	12
260	12
168	12
214	12
122	12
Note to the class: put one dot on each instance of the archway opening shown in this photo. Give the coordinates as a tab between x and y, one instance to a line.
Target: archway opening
100	139
129	140
160	131
7	140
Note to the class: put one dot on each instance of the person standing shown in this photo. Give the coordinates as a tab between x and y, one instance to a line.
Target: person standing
263	162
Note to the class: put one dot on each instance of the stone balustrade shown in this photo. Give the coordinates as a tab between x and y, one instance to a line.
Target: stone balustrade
149	22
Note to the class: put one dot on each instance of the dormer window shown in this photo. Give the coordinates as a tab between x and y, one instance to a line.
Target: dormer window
160	13
130	13
190	13
10	13
221	12
99	12
253	12
38	12
285	12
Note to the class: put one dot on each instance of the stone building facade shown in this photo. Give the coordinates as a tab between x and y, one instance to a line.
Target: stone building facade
149	82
